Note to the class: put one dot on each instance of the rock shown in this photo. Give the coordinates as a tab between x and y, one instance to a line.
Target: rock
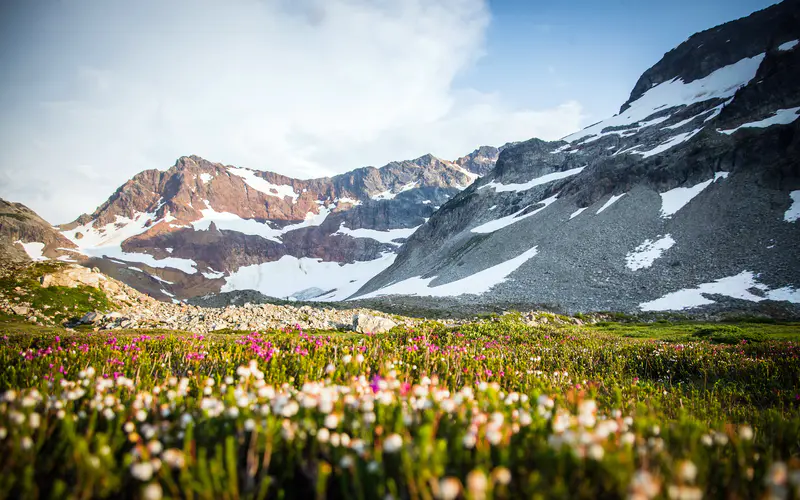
20	310
71	277
87	318
365	323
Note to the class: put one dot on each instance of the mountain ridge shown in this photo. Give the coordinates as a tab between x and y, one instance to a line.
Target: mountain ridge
726	137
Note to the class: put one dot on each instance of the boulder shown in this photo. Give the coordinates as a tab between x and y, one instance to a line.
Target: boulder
365	323
72	276
87	318
20	310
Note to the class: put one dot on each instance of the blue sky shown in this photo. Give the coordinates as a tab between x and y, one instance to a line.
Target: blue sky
540	52
95	91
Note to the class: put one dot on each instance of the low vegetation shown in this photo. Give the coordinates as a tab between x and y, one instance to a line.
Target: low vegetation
497	409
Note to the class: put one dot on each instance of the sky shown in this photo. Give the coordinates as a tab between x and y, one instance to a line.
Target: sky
95	91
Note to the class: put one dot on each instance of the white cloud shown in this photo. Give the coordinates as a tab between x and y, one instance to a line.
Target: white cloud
305	88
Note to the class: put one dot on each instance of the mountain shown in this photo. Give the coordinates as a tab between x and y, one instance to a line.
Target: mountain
201	227
25	236
688	197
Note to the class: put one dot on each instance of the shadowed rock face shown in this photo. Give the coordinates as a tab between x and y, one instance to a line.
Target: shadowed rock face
215	219
668	195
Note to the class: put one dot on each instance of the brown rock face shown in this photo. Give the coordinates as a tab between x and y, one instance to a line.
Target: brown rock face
220	218
20	223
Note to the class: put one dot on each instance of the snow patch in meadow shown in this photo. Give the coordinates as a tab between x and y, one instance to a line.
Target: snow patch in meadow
779	117
534	182
722	83
793	213
289	275
34	250
610	202
645	254
478	283
675	199
264	186
494	225
737	287
387	236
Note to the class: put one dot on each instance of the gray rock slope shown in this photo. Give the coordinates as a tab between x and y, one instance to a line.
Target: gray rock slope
687	198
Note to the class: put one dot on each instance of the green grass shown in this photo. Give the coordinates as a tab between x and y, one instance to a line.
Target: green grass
728	332
60	303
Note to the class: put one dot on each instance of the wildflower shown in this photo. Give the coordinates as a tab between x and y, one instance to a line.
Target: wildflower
392	443
26	442
174	458
476	484
502	475
746	432
155	447
3	433
469	440
687	471
346	462
331	421
143	471
595	452
152	491
449	488
323	435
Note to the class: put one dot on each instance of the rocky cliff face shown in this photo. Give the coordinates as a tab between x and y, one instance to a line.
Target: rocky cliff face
200	227
25	236
689	197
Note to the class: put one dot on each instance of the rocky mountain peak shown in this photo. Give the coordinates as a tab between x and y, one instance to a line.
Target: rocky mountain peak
721	46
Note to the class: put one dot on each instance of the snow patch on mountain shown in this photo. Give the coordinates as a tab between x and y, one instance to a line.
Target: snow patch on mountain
737	287
670	143
675	199
722	83
577	213
779	117
793	213
502	222
478	283
645	254
387	236
788	45
390	195
232	222
264	186
610	202
290	275
205	177
34	250
106	241
499	188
